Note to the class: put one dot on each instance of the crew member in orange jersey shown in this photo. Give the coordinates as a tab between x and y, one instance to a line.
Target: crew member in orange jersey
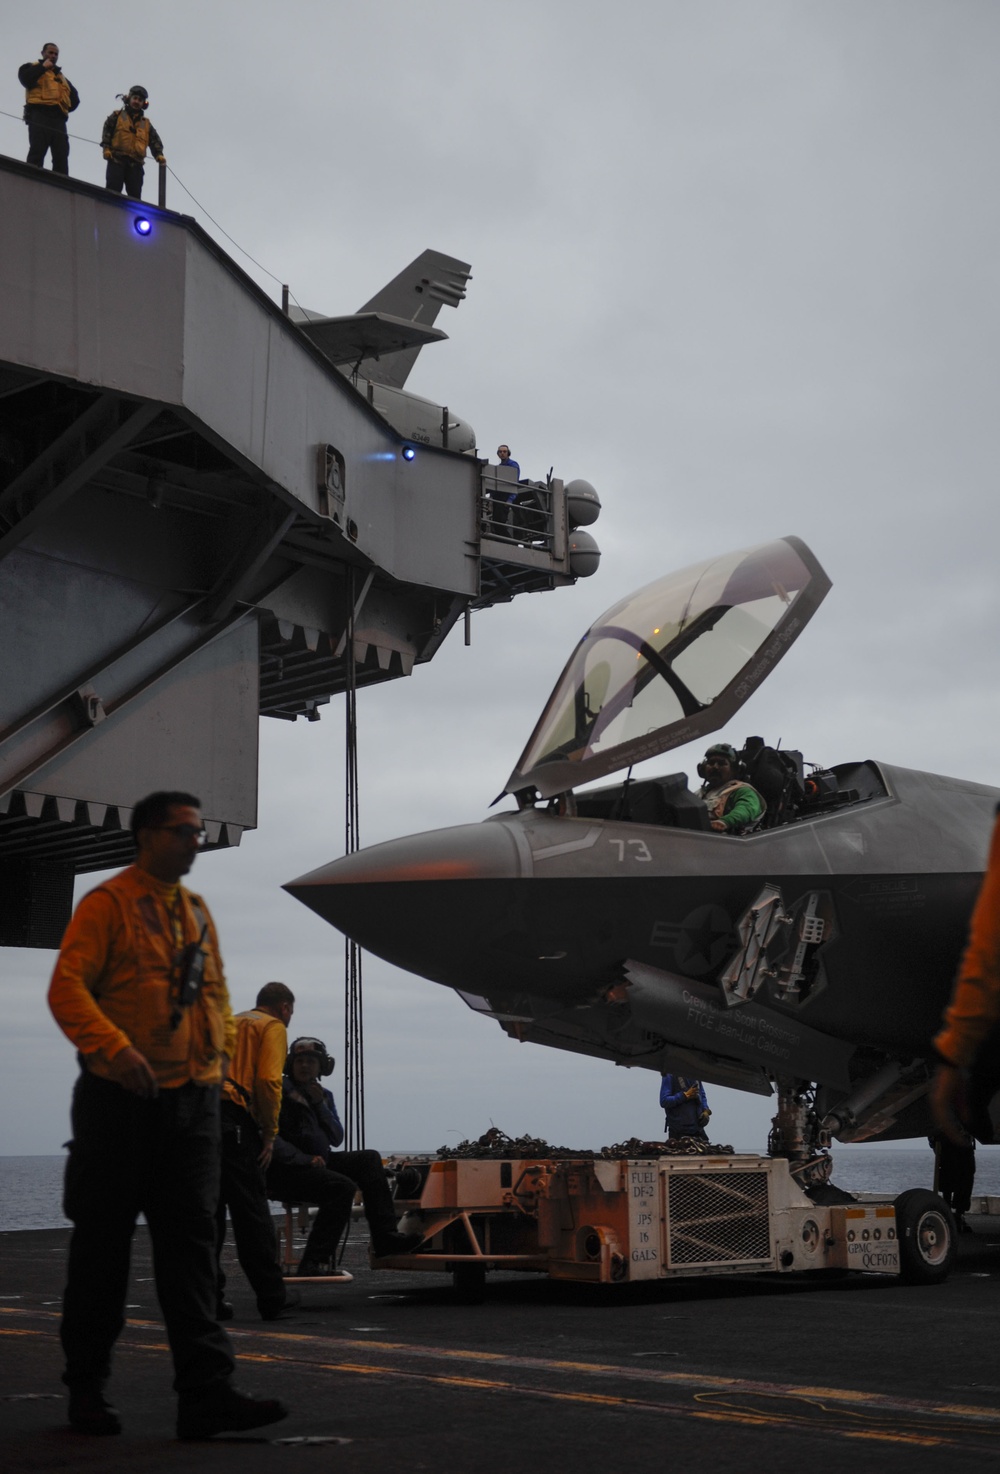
139	989
968	1045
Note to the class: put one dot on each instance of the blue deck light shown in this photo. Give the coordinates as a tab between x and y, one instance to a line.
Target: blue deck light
408	452
141	225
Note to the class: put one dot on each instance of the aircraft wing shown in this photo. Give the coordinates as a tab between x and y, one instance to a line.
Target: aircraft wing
364	336
671	663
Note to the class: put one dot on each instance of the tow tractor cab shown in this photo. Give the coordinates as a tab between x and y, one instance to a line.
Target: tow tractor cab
673	662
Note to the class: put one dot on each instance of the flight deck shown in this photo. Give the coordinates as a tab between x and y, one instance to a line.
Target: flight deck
392	1371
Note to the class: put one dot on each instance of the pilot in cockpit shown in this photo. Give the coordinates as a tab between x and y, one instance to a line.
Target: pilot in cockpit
734	805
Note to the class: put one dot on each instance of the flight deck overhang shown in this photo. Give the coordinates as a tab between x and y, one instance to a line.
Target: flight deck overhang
167	319
201	520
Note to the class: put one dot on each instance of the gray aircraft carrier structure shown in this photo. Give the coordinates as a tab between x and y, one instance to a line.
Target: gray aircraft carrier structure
203	517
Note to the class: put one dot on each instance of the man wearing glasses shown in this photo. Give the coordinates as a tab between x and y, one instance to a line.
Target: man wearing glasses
139	989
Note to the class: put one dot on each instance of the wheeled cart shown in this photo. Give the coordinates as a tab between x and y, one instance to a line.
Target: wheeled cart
619	1221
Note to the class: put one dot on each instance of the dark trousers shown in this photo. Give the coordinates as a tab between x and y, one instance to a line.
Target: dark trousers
159	1157
47	130
332	1189
244	1194
678	1133
956	1173
124	174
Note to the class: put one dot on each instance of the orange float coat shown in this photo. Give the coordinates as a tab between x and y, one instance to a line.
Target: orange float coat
115	982
974	1009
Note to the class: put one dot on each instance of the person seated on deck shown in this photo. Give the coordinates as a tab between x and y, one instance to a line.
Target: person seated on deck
733	804
304	1168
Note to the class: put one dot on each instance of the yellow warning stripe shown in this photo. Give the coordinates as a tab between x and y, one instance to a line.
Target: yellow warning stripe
801	1407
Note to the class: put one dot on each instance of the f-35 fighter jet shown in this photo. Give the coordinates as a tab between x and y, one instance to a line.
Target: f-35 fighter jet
814	953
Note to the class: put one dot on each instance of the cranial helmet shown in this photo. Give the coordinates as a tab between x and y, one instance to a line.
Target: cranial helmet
309	1045
723	749
720	749
139	92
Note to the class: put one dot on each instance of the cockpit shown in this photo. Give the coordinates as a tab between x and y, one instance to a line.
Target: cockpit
790	792
672	663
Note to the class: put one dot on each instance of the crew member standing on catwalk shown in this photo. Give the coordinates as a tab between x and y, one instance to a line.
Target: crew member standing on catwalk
126	137
139	989
49	98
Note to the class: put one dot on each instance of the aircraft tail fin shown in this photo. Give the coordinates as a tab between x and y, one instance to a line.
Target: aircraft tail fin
417	294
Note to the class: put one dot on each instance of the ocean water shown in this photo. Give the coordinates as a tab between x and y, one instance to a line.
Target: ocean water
31	1187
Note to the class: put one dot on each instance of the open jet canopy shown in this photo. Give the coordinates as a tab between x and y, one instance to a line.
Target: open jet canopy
671	663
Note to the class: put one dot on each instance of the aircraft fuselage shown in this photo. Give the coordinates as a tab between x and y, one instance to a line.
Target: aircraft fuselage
539	913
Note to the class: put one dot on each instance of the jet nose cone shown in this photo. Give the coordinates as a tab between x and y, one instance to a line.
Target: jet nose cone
398	898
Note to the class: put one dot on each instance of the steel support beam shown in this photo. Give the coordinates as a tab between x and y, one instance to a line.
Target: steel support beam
236	578
68	464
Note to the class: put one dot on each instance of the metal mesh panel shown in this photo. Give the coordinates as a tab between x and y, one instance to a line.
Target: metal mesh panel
717	1218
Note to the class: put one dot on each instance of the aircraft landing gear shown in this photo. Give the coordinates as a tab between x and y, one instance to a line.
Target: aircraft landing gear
798	1134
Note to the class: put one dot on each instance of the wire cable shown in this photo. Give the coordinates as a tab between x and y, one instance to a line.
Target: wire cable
81	138
354	1033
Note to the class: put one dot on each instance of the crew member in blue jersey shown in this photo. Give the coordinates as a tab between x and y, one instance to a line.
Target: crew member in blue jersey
685	1107
307	1168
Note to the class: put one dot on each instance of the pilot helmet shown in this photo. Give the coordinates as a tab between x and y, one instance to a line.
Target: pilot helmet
723	749
719	749
309	1045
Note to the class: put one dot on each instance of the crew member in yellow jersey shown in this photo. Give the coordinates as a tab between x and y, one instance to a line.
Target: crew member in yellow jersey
139	989
49	98
125	139
251	1102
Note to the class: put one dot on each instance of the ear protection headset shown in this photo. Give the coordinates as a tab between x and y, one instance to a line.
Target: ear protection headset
722	749
139	92
308	1045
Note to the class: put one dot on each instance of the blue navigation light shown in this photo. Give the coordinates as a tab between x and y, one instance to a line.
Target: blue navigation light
408	452
141	225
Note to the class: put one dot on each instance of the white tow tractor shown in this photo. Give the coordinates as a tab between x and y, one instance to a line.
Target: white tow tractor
615	1222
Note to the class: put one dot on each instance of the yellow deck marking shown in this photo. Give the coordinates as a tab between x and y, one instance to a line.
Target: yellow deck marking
803	1406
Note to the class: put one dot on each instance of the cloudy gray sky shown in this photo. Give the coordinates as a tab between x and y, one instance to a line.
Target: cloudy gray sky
735	262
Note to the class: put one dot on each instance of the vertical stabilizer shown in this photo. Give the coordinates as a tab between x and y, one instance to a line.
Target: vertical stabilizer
417	295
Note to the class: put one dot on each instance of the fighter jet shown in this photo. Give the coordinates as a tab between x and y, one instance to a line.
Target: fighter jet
813	954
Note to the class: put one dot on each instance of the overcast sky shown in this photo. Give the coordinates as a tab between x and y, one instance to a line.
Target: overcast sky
736	263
